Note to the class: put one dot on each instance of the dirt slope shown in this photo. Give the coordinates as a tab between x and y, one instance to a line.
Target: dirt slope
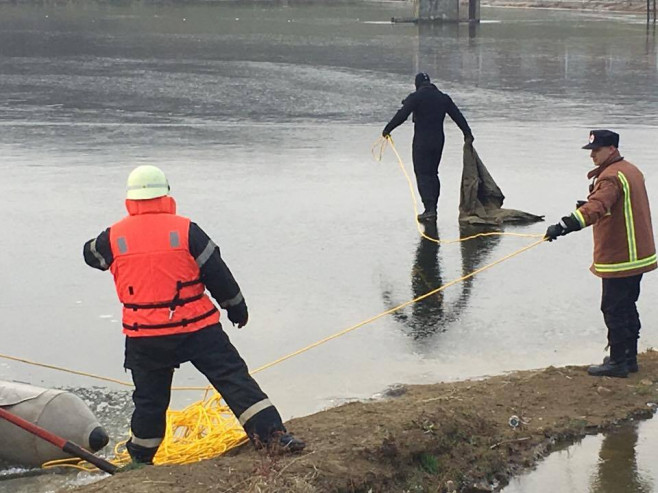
441	437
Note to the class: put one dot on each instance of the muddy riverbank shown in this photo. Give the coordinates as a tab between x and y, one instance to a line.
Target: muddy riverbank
457	436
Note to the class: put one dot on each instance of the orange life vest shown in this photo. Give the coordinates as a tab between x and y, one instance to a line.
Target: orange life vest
156	277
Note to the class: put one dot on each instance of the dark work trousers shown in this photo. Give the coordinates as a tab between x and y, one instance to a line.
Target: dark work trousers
619	311
426	157
211	352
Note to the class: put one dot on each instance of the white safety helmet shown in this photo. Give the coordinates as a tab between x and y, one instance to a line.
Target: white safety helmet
146	182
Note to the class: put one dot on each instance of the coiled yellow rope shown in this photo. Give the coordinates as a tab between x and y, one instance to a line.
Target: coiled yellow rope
207	428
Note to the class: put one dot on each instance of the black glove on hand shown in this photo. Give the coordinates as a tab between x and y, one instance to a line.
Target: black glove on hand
238	314
566	225
553	231
469	139
385	133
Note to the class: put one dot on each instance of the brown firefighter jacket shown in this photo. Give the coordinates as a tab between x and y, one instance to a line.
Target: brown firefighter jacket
618	209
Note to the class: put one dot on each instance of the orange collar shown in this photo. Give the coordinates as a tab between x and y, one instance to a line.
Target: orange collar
159	205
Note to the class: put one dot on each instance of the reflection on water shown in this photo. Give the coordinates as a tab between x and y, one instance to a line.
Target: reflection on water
574	59
613	463
429	315
617	465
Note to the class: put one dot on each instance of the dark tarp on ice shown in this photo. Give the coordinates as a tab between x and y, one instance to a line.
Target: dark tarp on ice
481	200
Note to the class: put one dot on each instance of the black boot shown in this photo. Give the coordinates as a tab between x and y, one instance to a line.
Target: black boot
139	454
631	356
282	441
631	363
429	214
615	366
291	444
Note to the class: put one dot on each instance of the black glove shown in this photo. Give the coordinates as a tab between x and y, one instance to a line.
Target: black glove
238	314
566	225
469	139
385	133
553	231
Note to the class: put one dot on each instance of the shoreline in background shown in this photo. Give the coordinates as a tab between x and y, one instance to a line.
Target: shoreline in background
629	6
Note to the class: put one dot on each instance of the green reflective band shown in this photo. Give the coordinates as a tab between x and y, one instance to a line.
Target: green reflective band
580	218
628	217
624	266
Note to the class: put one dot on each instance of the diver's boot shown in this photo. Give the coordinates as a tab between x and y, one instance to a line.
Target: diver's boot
429	214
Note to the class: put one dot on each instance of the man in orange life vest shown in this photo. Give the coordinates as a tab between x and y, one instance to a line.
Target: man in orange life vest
162	264
618	210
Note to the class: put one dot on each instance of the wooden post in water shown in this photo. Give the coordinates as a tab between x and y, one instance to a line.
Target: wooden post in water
648	8
474	11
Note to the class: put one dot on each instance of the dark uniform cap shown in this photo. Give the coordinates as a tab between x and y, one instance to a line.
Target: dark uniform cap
421	79
602	138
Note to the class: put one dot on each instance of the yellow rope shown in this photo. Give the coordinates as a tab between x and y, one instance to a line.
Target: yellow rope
377	151
399	307
208	428
201	431
85	374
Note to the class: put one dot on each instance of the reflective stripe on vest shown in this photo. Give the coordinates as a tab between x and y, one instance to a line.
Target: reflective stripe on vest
580	218
628	217
98	256
624	266
123	246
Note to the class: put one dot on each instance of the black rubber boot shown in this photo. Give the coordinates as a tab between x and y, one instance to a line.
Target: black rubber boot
615	366
609	369
630	355
282	442
631	363
139	454
291	444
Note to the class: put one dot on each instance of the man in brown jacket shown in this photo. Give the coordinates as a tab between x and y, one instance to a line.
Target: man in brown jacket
618	210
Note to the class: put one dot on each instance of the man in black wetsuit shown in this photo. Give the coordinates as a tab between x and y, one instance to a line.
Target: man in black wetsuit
429	106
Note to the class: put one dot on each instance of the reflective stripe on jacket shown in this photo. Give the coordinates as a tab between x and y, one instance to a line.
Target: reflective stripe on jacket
156	277
618	208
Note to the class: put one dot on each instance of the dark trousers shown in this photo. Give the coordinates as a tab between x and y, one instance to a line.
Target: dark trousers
211	352
618	299
426	160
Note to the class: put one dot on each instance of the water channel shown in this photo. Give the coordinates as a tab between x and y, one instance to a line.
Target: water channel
263	117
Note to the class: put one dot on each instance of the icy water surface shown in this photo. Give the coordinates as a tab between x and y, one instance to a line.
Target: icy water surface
264	118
